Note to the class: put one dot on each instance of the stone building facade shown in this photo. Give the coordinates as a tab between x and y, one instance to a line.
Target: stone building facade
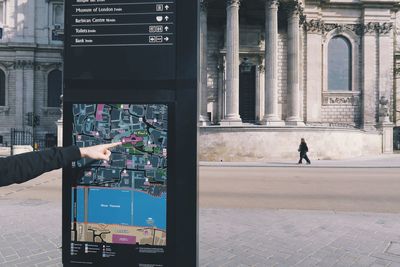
271	72
30	64
312	67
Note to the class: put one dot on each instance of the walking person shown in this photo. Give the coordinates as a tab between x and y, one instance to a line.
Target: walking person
303	149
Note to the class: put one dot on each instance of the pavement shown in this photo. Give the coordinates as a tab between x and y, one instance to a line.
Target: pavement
30	226
233	237
381	161
30	222
30	233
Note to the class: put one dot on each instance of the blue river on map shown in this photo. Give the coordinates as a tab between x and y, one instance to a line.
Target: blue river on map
110	206
115	206
146	206
80	208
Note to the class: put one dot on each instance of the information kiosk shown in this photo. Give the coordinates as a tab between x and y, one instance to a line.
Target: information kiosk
131	76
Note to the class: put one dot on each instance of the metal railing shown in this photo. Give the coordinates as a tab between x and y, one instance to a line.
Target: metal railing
21	138
26	138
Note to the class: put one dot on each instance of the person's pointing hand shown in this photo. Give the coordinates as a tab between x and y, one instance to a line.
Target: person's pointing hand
99	152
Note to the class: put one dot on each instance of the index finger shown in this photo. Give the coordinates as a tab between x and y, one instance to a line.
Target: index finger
112	145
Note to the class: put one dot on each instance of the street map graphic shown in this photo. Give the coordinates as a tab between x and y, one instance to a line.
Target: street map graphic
124	200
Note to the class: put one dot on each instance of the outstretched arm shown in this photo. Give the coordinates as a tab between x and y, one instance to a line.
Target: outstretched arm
23	167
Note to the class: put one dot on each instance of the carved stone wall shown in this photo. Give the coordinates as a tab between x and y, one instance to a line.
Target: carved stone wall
341	108
334	107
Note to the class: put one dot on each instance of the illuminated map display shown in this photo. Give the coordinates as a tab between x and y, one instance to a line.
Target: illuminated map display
124	200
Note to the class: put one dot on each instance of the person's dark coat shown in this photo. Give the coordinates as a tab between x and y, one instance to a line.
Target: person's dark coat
23	167
303	148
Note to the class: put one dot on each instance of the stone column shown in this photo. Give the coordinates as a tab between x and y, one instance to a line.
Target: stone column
314	29
29	90
203	118
396	106
293	67
24	20
59	124
260	91
385	60
29	86
30	21
232	116
19	95
271	66
221	89
370	81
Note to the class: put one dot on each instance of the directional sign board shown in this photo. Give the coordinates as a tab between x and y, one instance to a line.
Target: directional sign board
123	23
131	77
110	29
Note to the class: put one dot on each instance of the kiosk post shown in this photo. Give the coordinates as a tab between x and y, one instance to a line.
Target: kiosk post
130	76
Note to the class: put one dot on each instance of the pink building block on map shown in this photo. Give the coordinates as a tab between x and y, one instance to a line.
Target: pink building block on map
123	239
99	113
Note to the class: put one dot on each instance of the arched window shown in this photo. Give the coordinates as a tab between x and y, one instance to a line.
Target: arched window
2	88
1	14
339	64
54	84
58	15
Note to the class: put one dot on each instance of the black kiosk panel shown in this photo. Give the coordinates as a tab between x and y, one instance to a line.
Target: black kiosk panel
124	81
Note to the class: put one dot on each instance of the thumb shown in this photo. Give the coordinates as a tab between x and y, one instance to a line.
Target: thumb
107	154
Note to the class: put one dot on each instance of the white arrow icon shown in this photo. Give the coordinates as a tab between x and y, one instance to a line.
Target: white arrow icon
166	18
166	7
166	28
166	39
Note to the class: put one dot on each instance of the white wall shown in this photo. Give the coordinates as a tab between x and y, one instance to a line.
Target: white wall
266	144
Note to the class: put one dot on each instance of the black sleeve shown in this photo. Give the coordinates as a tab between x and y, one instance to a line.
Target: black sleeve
23	167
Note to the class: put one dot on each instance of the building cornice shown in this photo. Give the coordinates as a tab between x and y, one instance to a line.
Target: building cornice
319	26
28	47
35	48
355	4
